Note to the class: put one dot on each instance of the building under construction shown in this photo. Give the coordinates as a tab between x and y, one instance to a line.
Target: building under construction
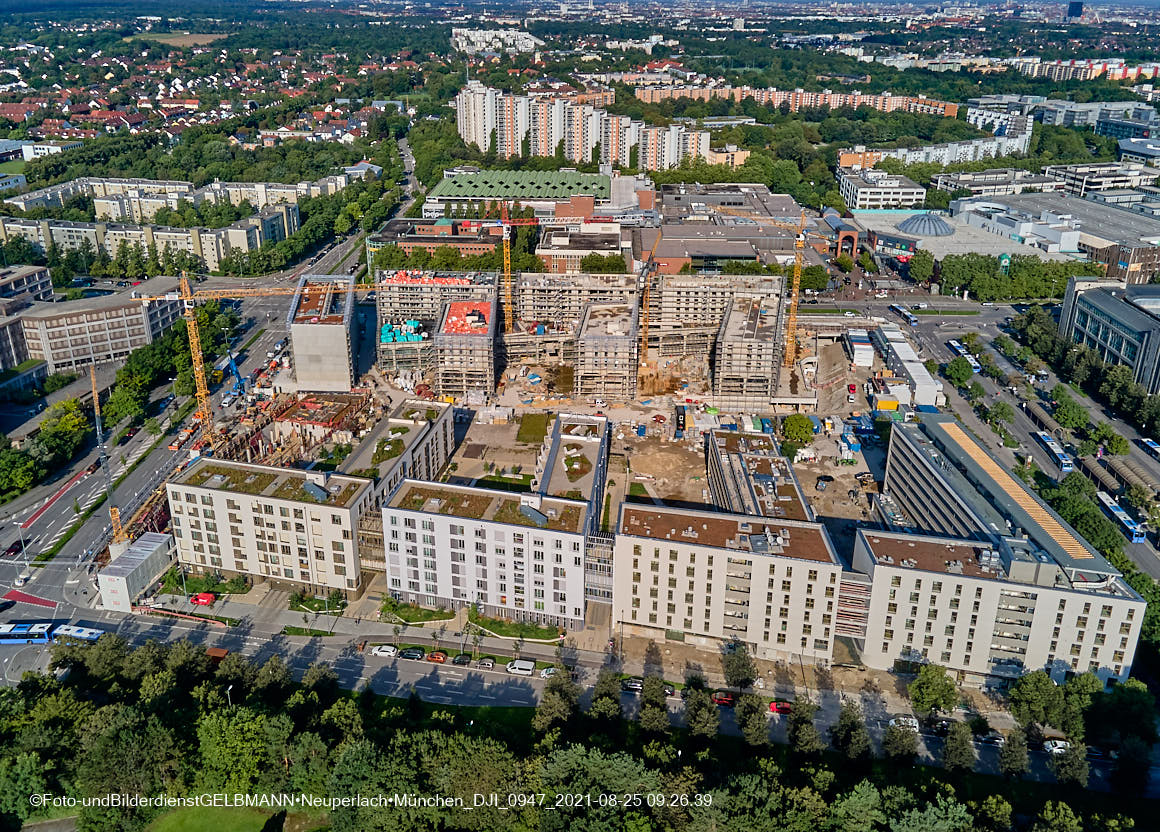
465	349
320	333
747	358
607	354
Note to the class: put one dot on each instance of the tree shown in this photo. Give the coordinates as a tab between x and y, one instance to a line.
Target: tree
994	814
1068	412
654	713
921	266
858	810
900	744
231	745
845	263
932	690
946	815
701	715
1035	698
798	429
1056	816
739	668
804	738
1000	413
1071	767
750	713
974	392
606	696
866	261
558	702
958	753
849	733
1013	759
958	371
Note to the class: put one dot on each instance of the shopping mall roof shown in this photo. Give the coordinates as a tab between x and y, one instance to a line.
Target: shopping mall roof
513	184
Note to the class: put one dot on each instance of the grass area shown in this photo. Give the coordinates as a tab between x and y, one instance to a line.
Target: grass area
456	503
605	518
290	630
636	489
945	311
253	338
567	520
512	629
517	483
387	449
414	614
533	428
577	467
180	39
172	585
234	479
22	367
13	166
431	414
219	818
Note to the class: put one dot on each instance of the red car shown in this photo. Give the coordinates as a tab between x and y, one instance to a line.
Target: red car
851	389
202	599
780	706
723	698
438	656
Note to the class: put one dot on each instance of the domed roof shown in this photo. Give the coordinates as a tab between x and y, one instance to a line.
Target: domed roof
926	225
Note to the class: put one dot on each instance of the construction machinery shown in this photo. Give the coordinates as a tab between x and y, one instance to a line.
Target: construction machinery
114	512
646	277
508	224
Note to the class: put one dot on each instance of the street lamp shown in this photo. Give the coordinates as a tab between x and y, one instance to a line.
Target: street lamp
229	698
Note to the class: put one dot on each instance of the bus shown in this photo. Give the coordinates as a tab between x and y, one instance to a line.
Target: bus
64	631
1061	457
1131	529
25	633
976	367
956	347
1151	447
904	313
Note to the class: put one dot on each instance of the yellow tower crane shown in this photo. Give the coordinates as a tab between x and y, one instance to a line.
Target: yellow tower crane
646	276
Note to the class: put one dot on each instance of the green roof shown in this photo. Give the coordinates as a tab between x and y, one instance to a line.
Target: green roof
518	184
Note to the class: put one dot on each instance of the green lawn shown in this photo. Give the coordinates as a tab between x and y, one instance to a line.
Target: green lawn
291	630
513	629
517	483
220	819
636	489
253	338
13	166
172	584
533	428
414	614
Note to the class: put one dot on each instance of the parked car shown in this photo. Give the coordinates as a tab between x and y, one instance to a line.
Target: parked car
462	659
548	672
202	599
723	698
388	651
1056	747
993	738
905	722
780	706
486	664
414	653
521	667
6	605
438	656
633	684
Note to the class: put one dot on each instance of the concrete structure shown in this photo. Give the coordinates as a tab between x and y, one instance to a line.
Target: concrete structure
465	349
798	99
899	355
1127	242
37	150
130	573
72	335
899	234
473	41
1080	180
321	335
1088	113
1041	596
747	359
469	237
1140	151
284	525
33	281
1013	139
749	476
563	248
706	578
995	182
872	189
1120	322
607	351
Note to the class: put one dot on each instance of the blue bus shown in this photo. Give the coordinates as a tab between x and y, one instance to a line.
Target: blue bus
1151	447
33	632
64	631
904	313
1131	529
1058	454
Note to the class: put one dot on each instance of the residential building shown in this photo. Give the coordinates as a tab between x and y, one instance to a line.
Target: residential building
1089	113
1038	594
607	351
473	41
128	575
749	476
870	189
289	527
34	281
1130	128
747	358
798	99
1080	180
707	579
38	150
465	350
995	182
1012	139
1120	322
730	155
321	335
12	182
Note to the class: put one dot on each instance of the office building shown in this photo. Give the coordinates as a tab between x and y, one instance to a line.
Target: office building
297	528
747	358
321	335
131	573
470	238
97	330
872	189
1129	128
38	150
1120	322
465	350
1041	597
562	249
995	182
1081	180
1074	10
607	351
1140	152
899	355
708	578
12	181
34	281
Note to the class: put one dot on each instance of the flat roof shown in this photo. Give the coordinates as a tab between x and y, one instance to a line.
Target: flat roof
514	184
751	319
761	480
153	287
139	551
272	483
728	532
608	320
575	457
394	436
485	504
467	317
933	553
1099	219
967	239
318	302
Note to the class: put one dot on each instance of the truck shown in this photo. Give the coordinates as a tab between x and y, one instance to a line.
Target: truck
767	426
817	423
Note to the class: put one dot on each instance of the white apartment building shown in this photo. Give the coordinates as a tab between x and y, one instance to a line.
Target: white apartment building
472	41
705	578
988	611
870	189
38	150
280	524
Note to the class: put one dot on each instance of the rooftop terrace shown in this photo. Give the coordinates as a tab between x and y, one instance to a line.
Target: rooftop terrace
482	504
273	483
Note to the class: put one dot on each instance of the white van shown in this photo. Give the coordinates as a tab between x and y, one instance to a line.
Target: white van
521	667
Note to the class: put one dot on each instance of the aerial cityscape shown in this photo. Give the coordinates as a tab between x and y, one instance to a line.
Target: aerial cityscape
579	416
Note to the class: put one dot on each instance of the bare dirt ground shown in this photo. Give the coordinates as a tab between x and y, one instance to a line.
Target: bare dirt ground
181	38
677	469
